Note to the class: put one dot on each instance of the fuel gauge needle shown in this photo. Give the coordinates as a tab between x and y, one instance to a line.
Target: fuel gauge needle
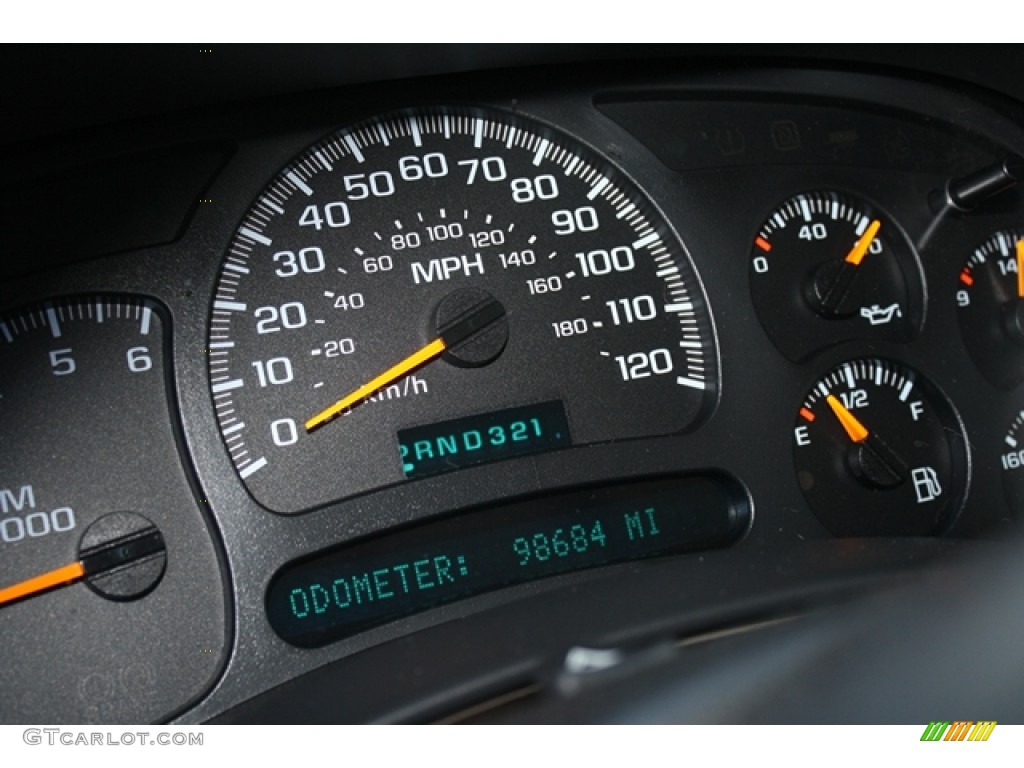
479	318
857	432
834	291
874	462
66	574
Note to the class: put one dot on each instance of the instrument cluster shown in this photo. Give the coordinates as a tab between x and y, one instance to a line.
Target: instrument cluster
408	358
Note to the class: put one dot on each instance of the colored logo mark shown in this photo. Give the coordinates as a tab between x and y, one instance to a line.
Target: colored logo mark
961	730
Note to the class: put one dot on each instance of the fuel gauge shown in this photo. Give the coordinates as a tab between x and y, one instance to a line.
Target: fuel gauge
827	267
990	297
879	452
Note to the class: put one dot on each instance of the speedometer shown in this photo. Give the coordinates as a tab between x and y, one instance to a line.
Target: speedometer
438	288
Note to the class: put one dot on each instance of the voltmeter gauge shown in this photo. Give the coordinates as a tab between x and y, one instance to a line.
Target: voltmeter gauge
880	451
1012	463
990	297
826	267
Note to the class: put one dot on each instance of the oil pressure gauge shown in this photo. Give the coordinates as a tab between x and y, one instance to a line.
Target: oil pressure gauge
990	297
879	451
826	267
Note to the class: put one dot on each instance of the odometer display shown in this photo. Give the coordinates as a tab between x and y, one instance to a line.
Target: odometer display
343	591
378	240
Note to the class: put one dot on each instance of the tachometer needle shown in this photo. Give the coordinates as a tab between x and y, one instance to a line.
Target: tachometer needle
1020	268
858	432
113	554
479	318
66	574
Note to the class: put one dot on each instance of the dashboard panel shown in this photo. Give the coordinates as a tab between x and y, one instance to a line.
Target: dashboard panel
756	333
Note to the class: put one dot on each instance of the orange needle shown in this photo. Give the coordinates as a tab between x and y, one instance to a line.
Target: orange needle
856	256
397	371
858	432
1020	268
44	581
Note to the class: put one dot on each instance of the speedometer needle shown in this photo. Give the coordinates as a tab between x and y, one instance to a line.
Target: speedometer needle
397	371
479	318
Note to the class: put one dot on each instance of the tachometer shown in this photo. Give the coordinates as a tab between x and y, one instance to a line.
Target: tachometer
112	605
475	281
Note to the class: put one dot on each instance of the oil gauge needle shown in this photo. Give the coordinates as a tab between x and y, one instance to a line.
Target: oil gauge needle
874	462
66	574
479	318
831	295
856	254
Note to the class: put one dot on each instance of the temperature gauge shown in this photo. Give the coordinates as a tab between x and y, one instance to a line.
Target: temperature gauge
826	267
879	451
990	296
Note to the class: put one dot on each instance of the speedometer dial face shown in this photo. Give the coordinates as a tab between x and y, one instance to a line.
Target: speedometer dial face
459	268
